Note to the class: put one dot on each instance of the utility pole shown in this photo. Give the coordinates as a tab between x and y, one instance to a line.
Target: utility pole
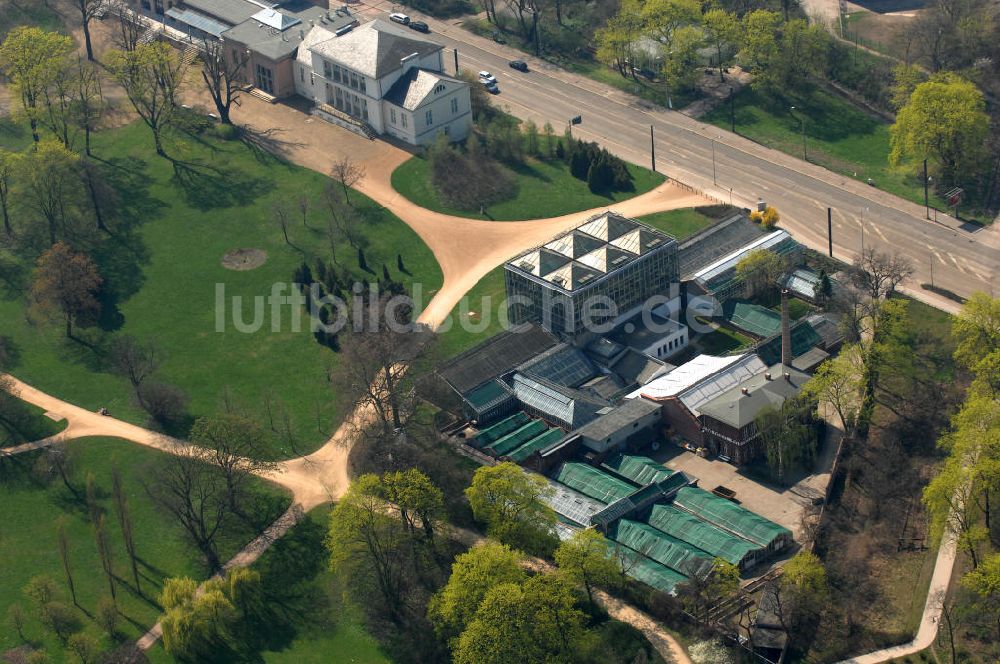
829	230
456	61
932	267
732	111
652	148
927	202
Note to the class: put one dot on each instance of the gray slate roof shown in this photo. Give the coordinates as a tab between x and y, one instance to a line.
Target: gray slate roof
736	409
714	242
279	44
412	88
230	11
375	48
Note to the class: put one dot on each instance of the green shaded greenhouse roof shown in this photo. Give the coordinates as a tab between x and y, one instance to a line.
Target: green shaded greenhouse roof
502	428
705	536
664	549
804	337
593	483
536	444
518	437
641	470
648	571
753	318
729	516
488	395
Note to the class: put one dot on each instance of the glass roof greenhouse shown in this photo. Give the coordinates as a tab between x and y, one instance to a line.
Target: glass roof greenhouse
729	516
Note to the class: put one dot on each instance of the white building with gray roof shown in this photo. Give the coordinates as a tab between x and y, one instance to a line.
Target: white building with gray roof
381	78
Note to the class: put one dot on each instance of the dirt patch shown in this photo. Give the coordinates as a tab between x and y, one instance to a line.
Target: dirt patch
242	260
714	91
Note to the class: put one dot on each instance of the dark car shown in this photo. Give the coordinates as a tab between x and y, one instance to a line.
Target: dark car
519	65
419	26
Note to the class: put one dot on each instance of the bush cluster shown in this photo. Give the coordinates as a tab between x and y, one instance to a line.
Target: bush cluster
468	180
602	171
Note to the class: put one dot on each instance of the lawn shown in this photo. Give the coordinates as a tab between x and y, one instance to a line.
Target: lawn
165	275
489	290
31	424
679	224
34	13
722	341
839	136
329	627
544	189
28	537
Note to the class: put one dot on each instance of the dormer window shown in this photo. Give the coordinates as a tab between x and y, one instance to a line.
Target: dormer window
439	88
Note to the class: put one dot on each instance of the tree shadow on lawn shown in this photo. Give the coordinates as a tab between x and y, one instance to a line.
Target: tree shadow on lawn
527	170
266	146
209	187
827	117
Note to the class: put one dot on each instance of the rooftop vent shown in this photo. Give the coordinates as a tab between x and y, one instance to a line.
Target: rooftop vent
788	377
767	375
745	391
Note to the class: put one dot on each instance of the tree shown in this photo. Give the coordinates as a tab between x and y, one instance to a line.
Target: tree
223	75
32	58
85	647
950	501
40	590
47	179
63	540
17	619
88	105
419	501
7	168
759	271
125	522
701	591
234	444
348	172
976	330
105	553
532	622
473	574
722	30
280	213
944	121
664	18
585	559
681	59
60	620
66	283
879	274
196	626
135	360
616	43
195	494
782	56
788	434
165	403
88	10
802	591
838	383
365	541
510	502
984	581
152	76
107	616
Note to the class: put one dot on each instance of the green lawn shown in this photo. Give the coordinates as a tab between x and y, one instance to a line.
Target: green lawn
489	290
544	189
722	341
839	136
329	627
30	424
678	224
165	273
28	538
35	13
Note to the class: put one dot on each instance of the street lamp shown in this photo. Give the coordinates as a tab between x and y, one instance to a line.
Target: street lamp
863	210
802	123
713	162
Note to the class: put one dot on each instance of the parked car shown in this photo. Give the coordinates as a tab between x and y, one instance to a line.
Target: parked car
492	87
419	26
399	18
519	65
487	77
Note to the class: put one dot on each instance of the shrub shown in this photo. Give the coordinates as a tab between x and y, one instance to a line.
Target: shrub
226	132
471	179
769	218
756	217
166	404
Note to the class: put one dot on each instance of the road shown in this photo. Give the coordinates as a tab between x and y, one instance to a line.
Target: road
733	169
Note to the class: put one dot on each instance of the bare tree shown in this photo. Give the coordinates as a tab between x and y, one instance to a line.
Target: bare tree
106	554
194	493
349	173
125	521
879	274
280	213
134	359
304	205
60	458
223	75
6	175
88	104
63	541
130	27
88	10
233	444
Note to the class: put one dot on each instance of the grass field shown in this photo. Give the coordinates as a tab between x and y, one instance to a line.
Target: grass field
31	425
489	289
544	189
722	341
839	136
34	13
329	628
678	224
28	538
165	273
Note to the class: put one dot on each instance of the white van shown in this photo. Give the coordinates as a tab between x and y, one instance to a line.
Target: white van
399	18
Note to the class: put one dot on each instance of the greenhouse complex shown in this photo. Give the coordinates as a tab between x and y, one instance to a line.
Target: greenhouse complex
664	528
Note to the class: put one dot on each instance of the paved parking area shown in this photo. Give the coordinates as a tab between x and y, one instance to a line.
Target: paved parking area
774	503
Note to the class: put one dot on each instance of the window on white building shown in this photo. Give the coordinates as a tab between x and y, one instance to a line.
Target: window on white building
392	115
302	74
454	106
403	118
328	70
429	118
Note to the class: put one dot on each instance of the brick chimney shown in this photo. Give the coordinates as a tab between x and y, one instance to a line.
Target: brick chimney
786	331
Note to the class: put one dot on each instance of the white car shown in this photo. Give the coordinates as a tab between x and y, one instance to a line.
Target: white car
487	78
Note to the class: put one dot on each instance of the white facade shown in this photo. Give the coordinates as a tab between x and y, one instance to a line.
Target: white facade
409	97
